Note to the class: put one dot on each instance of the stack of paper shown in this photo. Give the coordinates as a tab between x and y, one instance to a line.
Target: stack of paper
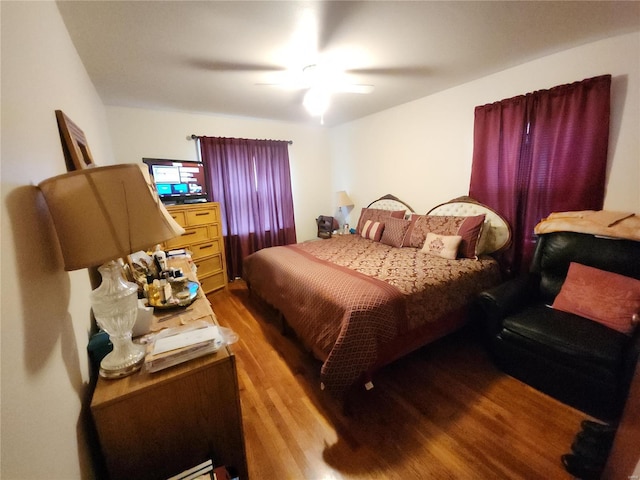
176	345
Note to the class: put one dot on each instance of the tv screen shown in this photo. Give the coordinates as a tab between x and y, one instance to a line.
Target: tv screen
178	181
180	188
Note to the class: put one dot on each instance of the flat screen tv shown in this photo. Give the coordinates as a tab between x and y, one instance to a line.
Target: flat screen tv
178	181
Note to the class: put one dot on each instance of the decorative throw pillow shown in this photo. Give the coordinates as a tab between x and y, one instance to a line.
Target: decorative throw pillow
604	297
445	246
468	228
394	231
485	239
417	231
376	215
372	230
470	231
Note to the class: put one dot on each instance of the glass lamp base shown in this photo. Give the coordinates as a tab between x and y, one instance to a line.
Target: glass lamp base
115	306
126	363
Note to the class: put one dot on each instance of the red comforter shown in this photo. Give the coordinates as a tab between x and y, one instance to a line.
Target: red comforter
358	304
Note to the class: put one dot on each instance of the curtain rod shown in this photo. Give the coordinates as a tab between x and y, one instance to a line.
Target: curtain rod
194	137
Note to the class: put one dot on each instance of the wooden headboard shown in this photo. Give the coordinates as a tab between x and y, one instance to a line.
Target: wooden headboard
496	230
390	202
496	234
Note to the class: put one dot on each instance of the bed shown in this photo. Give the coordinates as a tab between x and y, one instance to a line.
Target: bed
360	301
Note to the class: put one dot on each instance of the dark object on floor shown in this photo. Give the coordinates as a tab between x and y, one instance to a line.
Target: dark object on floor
576	360
596	449
597	428
590	450
581	468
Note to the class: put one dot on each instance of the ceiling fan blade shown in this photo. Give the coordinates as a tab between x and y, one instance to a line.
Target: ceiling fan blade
283	85
354	88
415	71
233	66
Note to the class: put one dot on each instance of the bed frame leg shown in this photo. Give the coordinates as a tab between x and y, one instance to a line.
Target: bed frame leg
350	397
348	404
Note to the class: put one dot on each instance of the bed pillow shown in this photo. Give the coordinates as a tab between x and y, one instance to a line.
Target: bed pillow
394	231
377	215
604	297
468	228
485	238
445	246
471	231
372	230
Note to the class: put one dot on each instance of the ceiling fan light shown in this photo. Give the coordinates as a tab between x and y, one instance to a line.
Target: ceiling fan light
316	101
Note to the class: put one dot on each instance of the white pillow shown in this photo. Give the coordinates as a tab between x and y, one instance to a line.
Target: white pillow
445	246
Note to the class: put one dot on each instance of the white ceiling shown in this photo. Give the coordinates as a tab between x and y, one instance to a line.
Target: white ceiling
209	56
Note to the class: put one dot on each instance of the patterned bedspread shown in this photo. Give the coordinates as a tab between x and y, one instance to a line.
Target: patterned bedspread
347	297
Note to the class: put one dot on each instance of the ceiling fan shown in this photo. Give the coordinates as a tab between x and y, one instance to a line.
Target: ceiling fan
321	81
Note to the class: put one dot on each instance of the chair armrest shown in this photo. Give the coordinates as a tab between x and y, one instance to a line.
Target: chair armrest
493	305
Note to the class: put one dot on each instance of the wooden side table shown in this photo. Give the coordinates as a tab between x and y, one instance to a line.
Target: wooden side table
155	425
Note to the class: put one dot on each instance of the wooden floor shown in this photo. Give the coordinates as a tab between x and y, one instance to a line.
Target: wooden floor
444	412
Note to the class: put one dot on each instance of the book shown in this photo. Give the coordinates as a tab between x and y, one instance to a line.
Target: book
199	472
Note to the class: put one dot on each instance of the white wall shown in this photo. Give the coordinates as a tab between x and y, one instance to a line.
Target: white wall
140	133
422	151
45	311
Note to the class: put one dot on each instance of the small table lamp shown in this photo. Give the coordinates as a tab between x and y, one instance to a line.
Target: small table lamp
102	214
343	200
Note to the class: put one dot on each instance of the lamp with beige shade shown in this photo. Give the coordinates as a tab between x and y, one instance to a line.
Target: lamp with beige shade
102	214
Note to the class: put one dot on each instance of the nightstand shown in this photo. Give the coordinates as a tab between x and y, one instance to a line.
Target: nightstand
155	425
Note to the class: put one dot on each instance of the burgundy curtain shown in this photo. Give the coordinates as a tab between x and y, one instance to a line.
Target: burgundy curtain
251	179
539	153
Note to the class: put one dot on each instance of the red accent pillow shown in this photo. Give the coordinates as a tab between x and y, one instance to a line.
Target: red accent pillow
604	297
377	215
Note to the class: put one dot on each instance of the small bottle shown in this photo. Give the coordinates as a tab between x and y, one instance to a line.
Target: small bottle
165	291
162	258
154	292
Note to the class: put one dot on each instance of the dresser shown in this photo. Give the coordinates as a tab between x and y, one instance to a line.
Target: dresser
156	425
203	238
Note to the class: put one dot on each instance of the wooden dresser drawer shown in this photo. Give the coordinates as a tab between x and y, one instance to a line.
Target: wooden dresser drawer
191	235
209	265
202	217
214	230
180	218
211	247
213	282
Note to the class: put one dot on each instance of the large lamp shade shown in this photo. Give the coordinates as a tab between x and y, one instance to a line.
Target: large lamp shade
343	200
105	213
102	214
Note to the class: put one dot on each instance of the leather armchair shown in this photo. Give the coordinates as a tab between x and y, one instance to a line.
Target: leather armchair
576	360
